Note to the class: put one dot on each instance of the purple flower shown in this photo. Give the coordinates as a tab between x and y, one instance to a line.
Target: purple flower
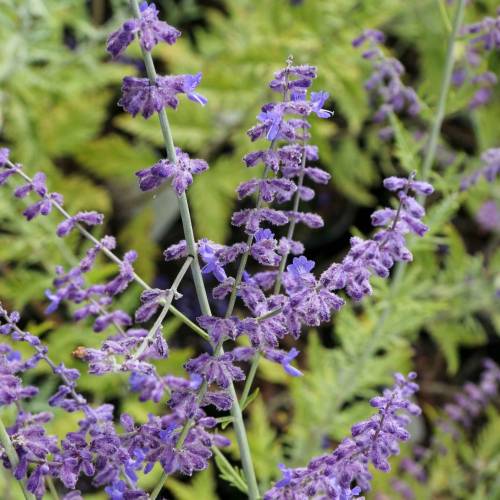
490	169
180	174
317	101
488	216
220	328
287	359
89	218
149	29
139	95
126	275
252	218
216	369
4	156
264	248
272	120
189	85
385	85
300	266
469	404
212	263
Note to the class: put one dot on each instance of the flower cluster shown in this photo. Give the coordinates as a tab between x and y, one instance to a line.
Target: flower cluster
385	87
475	397
345	473
488	216
484	38
148	28
378	255
143	95
180	173
489	171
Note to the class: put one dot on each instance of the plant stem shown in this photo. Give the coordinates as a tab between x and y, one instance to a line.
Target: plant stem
250	378
239	425
443	92
13	458
237	478
168	301
52	488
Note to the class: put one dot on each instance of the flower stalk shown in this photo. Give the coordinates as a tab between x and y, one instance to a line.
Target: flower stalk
13	458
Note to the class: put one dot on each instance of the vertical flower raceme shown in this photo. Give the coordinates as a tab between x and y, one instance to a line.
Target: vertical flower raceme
345	472
484	38
385	87
468	405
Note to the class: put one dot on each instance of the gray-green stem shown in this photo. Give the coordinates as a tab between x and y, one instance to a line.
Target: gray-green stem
13	458
239	425
168	301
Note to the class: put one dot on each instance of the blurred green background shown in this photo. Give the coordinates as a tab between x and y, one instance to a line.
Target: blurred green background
58	113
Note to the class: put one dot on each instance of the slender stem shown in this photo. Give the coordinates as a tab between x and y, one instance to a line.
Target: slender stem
250	378
237	478
113	257
156	491
168	300
52	488
239	425
13	458
443	92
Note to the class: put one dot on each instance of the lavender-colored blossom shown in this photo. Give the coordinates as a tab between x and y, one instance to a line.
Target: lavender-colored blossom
176	251
148	28
4	156
488	216
268	189
220	328
139	95
264	248
126	275
89	218
490	169
212	263
150	301
377	256
483	38
220	369
180	174
11	386
253	218
317	101
385	85
284	359
471	402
